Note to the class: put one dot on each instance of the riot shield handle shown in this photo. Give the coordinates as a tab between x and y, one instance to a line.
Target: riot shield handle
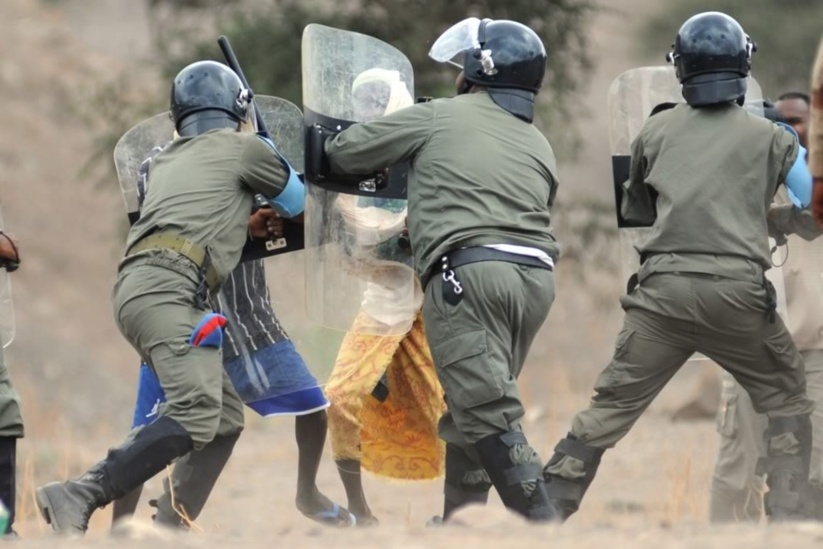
318	169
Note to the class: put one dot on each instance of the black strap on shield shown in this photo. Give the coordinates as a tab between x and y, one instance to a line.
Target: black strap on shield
391	183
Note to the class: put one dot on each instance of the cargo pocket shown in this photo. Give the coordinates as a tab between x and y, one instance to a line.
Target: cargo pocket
614	375
621	346
466	371
787	362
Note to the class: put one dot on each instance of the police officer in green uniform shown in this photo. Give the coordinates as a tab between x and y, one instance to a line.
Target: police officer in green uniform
703	174
481	185
189	237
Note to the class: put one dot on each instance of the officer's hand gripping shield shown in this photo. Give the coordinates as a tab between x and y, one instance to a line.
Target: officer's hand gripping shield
6	306
354	259
285	124
631	99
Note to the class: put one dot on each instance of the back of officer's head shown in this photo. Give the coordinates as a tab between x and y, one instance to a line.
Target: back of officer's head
510	62
510	55
712	59
205	96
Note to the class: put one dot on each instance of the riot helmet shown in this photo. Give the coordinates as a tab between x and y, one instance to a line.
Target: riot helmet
505	56
712	56
205	96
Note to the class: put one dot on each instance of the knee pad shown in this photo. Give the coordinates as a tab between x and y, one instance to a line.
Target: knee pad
567	493
789	443
516	473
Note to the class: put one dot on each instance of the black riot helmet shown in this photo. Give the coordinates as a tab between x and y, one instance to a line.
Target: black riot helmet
205	96
712	56
505	56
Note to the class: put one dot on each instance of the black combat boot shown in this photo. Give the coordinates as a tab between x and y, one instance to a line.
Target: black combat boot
466	481
787	474
8	477
192	480
567	493
67	506
516	472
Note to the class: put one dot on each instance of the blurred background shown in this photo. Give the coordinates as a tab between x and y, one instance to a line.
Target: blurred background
76	74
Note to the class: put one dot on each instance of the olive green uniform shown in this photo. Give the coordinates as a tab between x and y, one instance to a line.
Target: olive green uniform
715	171
478	177
736	482
202	190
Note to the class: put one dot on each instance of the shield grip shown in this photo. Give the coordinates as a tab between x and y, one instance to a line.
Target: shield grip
318	172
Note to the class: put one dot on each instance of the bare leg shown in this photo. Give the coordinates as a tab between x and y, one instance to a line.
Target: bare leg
310	432
126	506
349	470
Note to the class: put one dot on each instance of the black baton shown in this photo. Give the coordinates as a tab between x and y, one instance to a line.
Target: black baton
234	65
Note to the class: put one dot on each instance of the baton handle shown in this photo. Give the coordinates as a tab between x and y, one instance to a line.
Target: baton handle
234	64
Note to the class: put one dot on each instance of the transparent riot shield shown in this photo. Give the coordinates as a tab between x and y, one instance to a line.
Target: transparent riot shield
285	124
631	99
6	306
355	259
132	149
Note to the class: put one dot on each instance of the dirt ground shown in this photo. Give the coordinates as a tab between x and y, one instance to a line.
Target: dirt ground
77	375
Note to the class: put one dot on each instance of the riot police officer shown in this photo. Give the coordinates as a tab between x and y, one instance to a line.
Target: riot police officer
188	239
703	175
480	190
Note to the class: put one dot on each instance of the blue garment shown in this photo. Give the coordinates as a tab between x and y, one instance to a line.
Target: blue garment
150	396
799	178
272	381
292	199
275	381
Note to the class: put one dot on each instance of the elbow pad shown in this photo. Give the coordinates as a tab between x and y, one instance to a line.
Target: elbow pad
799	181
292	199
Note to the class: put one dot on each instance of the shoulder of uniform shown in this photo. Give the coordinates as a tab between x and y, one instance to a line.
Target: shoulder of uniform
660	118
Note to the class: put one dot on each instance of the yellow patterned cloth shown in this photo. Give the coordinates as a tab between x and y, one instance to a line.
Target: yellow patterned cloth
396	438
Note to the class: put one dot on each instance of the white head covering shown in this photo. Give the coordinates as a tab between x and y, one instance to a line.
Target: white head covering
399	96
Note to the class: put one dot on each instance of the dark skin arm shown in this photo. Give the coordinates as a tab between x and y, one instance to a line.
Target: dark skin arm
265	223
9	250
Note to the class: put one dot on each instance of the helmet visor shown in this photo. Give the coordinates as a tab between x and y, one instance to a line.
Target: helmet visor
455	42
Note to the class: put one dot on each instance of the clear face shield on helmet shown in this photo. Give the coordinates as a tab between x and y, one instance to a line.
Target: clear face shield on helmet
461	38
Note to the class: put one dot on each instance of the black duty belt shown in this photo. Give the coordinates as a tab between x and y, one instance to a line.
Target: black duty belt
183	246
465	256
453	287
